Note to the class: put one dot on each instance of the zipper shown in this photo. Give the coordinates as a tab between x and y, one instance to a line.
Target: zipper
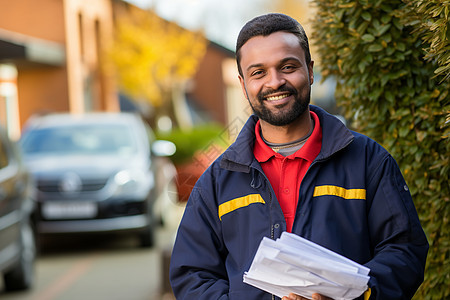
269	187
272	233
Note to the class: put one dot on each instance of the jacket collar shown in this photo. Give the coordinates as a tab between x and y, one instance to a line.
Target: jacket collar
239	156
335	135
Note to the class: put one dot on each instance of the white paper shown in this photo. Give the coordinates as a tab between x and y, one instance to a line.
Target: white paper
292	264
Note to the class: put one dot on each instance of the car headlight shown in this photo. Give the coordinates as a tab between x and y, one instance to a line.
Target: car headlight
132	181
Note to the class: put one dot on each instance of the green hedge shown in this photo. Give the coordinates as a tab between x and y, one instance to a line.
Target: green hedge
190	141
430	18
396	91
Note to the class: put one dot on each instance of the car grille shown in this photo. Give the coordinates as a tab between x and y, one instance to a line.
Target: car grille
53	186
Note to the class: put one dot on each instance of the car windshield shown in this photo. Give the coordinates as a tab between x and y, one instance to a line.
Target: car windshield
83	140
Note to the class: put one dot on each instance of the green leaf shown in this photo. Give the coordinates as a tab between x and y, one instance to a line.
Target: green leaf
403	131
375	48
387	37
339	13
442	69
366	16
386	18
389	96
368	38
390	50
362	66
401	47
387	8
382	29
369	58
398	24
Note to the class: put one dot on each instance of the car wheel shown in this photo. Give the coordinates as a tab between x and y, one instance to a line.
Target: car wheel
147	237
21	276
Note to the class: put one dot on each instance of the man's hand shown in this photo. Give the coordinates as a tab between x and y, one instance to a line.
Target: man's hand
293	296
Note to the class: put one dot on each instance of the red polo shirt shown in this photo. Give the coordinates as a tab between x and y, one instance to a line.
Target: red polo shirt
286	173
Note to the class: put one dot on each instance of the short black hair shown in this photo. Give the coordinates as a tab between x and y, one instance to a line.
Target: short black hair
267	24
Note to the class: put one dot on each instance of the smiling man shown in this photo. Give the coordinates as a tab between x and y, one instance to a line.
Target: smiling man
294	168
278	85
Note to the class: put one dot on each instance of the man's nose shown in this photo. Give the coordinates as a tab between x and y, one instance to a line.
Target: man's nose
275	80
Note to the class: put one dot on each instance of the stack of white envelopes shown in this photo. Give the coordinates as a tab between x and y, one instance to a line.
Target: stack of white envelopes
292	264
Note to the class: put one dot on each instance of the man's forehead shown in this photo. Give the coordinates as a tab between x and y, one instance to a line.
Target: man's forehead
275	45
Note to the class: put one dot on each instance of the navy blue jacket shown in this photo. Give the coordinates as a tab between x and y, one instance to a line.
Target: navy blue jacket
353	200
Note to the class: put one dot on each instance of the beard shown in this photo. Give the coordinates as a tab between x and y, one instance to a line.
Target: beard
282	117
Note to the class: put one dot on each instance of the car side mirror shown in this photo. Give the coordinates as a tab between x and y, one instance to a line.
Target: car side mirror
163	148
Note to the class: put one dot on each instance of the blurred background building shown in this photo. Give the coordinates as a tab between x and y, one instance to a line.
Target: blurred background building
49	56
51	61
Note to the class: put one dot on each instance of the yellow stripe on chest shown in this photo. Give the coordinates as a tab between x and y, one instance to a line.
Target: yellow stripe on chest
332	190
234	204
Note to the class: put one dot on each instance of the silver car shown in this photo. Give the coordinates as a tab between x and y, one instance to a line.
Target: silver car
98	172
17	207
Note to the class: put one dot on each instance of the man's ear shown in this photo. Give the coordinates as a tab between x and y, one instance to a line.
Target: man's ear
311	72
244	90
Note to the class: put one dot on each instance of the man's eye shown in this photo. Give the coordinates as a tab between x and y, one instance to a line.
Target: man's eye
288	68
257	73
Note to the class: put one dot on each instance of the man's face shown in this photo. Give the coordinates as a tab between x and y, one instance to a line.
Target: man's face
275	77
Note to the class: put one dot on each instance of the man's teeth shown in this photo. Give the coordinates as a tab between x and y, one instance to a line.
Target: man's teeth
273	98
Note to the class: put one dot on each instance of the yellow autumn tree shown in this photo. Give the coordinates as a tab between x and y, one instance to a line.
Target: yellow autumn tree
153	57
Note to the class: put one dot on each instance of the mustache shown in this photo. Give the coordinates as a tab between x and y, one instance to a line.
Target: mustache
286	89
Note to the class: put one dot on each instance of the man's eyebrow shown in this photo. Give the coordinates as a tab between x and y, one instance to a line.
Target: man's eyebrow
284	60
254	66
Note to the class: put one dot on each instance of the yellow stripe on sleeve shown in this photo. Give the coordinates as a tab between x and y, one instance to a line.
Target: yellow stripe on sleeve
367	294
332	190
234	204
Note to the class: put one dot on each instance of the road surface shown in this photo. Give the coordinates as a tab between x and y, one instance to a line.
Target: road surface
102	267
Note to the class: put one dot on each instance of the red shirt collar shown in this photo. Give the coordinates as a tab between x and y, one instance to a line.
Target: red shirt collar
309	151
